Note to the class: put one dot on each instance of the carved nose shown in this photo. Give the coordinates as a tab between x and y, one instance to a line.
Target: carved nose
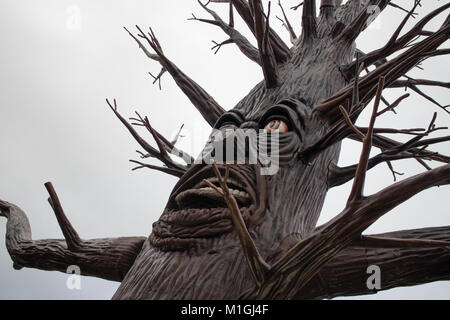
249	125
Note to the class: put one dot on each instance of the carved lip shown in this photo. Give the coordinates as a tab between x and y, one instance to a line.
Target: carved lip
193	192
196	215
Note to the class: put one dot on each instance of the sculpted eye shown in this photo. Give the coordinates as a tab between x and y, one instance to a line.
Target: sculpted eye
276	125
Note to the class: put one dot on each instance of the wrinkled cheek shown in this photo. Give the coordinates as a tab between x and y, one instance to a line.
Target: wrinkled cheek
280	150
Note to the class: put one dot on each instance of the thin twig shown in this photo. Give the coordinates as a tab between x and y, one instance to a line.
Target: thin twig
350	123
287	24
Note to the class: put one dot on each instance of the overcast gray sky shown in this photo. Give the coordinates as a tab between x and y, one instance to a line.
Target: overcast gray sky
59	61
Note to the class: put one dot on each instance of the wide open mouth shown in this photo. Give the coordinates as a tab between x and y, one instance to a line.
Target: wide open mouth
196	212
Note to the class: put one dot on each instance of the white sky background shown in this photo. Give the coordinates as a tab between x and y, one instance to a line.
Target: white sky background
55	125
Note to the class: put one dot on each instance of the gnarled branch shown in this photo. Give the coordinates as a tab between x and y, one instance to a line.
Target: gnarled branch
395	151
395	43
391	70
164	145
108	258
235	36
423	256
205	104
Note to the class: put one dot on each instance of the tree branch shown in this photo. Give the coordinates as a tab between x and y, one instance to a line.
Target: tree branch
287	24
309	22
164	145
175	168
392	106
73	241
391	70
108	258
205	104
235	36
393	44
422	82
393	151
173	172
387	143
158	77
413	83
350	123
301	263
390	242
280	49
358	184
267	58
400	265
356	25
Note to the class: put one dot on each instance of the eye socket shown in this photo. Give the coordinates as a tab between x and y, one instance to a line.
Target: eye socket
276	125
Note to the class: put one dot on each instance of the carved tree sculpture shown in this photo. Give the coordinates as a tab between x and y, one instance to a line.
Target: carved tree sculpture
230	232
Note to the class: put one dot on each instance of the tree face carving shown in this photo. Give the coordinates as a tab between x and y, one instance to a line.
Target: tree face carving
229	230
196	214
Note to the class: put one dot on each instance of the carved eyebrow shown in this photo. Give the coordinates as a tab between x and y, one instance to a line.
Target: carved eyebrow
238	113
230	116
293	104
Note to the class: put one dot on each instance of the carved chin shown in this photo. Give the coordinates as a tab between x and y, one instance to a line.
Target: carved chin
196	216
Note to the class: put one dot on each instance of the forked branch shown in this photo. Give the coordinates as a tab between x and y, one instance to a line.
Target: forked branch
164	145
309	20
397	43
234	36
205	104
413	85
413	148
358	183
287	24
267	58
280	49
392	70
108	258
359	23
